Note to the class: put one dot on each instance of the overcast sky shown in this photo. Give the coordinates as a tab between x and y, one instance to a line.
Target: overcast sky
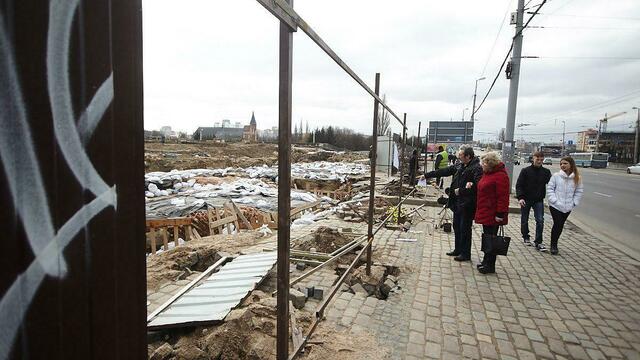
208	60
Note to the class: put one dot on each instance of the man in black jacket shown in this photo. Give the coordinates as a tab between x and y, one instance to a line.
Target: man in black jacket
531	190
413	167
462	199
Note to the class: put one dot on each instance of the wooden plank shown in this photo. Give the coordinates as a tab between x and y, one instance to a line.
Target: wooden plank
175	234
152	233
195	234
223	221
303	207
165	239
296	333
187	233
241	215
157	223
218	217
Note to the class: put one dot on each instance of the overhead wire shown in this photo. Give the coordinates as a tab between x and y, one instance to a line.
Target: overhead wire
507	56
616	100
497	36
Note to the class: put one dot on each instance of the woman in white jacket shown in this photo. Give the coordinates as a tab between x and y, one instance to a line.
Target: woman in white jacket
564	191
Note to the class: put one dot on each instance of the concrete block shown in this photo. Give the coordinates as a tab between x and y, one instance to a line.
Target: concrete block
358	289
318	293
309	291
297	298
301	266
386	287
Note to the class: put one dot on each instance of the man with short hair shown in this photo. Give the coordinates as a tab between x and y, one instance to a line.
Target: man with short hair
531	191
442	162
462	199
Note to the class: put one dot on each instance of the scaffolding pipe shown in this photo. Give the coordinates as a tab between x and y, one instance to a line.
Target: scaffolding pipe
372	181
404	141
284	188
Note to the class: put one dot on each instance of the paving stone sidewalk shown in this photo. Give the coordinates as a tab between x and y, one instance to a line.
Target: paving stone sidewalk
581	304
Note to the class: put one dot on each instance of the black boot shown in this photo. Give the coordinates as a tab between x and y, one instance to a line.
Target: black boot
487	269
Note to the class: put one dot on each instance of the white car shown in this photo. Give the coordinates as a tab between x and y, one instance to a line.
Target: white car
634	169
547	161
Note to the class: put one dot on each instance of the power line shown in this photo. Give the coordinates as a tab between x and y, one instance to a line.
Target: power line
618	99
507	56
588	57
582	28
497	36
590	16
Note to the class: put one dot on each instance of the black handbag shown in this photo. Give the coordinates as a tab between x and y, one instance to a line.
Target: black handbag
496	244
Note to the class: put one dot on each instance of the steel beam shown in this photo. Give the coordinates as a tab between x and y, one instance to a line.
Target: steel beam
372	181
284	188
279	10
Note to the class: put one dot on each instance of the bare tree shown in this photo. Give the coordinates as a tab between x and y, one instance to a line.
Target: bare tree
384	119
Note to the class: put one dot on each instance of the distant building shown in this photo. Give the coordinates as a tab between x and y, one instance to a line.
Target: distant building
166	130
619	145
551	150
268	134
216	124
450	132
228	133
587	140
250	132
221	133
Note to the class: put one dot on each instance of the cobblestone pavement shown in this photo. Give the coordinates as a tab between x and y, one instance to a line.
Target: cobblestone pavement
581	304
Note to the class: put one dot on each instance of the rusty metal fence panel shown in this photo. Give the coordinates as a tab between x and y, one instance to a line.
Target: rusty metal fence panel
72	277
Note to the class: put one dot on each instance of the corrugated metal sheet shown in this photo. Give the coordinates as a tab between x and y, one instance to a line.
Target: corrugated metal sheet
213	299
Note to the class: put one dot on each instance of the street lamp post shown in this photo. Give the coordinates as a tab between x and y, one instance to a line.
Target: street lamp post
563	132
475	90
463	110
635	147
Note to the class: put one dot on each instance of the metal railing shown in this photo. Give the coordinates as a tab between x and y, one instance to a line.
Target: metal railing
290	21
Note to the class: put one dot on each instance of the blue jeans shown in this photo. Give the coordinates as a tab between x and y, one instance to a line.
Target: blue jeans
538	213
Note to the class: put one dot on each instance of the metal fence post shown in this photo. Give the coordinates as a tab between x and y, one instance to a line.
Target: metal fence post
404	142
372	181
284	188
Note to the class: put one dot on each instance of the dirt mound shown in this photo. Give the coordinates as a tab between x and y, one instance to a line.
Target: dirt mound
248	332
180	262
212	155
325	240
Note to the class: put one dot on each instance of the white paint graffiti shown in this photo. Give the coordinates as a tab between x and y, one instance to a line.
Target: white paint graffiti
23	173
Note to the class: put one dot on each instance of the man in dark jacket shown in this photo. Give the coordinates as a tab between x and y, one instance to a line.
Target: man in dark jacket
413	166
531	190
462	199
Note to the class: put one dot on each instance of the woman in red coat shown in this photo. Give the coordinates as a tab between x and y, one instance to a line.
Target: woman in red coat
493	203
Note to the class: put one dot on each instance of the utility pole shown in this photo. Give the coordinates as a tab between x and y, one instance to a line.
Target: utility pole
507	145
635	147
475	90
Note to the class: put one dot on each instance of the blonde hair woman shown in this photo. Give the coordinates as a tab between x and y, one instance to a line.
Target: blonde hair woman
493	203
565	192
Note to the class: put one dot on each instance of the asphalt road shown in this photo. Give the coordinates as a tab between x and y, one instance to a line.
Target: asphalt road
610	206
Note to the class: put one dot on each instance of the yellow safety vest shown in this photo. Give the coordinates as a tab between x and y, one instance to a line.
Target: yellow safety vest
445	160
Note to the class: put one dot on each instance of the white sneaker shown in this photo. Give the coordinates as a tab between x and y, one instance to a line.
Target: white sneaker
541	248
